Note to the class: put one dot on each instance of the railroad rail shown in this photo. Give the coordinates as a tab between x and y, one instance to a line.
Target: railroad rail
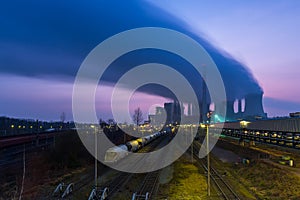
223	188
148	188
118	183
77	185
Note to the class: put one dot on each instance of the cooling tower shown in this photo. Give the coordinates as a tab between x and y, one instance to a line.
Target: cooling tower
253	106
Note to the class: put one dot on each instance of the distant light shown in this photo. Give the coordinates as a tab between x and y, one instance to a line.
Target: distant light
19	126
203	125
30	126
206	125
244	124
12	126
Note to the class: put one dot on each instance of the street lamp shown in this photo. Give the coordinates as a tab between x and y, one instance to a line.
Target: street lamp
208	159
95	132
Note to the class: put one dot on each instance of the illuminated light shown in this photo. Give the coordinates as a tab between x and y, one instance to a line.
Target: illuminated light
244	124
92	126
12	126
19	126
24	126
41	126
30	126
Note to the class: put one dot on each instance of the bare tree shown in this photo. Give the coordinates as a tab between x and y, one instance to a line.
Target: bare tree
137	116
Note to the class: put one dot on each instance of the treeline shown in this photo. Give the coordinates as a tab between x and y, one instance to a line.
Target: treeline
13	126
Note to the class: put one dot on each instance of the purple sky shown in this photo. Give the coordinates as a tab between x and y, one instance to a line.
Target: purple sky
264	35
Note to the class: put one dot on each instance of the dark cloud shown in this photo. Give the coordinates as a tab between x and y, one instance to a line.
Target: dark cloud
52	38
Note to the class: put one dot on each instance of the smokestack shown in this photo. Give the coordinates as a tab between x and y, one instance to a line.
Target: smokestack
253	106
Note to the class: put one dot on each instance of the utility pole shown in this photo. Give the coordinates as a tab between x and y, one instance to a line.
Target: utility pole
208	160
192	138
96	157
95	135
204	104
206	121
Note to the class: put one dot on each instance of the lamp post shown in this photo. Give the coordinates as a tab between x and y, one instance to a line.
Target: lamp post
209	115
192	143
208	160
205	127
96	155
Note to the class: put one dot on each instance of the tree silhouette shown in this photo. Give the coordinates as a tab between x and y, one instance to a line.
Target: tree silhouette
137	116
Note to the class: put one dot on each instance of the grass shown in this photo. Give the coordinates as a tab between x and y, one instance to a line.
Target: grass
232	178
187	183
269	182
265	180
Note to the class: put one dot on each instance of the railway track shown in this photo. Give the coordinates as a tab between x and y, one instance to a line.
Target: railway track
223	188
78	185
149	186
120	184
117	184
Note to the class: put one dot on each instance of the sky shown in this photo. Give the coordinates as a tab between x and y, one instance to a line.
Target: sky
264	35
44	43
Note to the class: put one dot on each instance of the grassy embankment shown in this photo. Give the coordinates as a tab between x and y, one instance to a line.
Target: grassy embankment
265	180
186	182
